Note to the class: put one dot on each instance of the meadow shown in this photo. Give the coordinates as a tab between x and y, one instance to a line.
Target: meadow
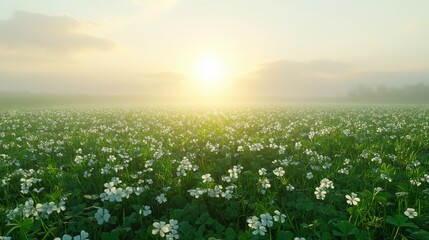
278	172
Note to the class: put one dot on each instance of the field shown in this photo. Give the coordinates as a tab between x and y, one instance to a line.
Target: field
276	172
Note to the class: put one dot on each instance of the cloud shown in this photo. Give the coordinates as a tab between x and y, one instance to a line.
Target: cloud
415	26
319	78
150	9
289	78
35	33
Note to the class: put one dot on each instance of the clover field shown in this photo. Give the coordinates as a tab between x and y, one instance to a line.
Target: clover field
278	172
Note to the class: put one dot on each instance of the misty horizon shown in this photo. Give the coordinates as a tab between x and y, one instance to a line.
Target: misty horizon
155	48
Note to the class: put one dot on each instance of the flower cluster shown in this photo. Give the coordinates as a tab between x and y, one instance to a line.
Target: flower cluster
323	189
185	166
26	183
114	193
266	220
40	210
256	147
215	192
233	174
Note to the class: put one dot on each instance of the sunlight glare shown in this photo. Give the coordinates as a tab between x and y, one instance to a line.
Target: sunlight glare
210	70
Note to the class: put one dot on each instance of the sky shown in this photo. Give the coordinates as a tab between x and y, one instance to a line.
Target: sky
212	48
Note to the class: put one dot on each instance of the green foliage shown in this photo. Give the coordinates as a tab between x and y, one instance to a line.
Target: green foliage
344	229
400	221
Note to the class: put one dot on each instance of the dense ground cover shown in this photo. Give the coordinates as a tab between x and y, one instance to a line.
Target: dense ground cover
200	173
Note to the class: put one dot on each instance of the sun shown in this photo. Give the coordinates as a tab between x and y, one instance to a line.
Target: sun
210	71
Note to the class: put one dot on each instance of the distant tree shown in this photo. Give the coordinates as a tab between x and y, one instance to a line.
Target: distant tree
416	93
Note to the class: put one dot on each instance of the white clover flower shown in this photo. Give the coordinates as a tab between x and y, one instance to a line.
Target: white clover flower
266	220
78	159
279	216
172	235
42	208
279	172
353	199
138	190
415	182
259	229
344	171
256	147
207	178
145	210
51	207
109	185
65	237
116	194
86	174
82	236
262	171
410	213
320	193
326	183
127	192
61	206
174	224
106	150
401	194
149	163
196	192
377	190
309	175
426	178
102	215
251	222
160	227
116	181
29	209
234	172
228	193
226	179
290	187
161	198
111	158
173	227
185	166
385	177
215	192
376	159
265	183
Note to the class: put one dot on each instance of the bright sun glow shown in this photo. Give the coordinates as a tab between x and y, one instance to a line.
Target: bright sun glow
210	71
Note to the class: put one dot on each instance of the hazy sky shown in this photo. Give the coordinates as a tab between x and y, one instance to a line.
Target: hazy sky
158	47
